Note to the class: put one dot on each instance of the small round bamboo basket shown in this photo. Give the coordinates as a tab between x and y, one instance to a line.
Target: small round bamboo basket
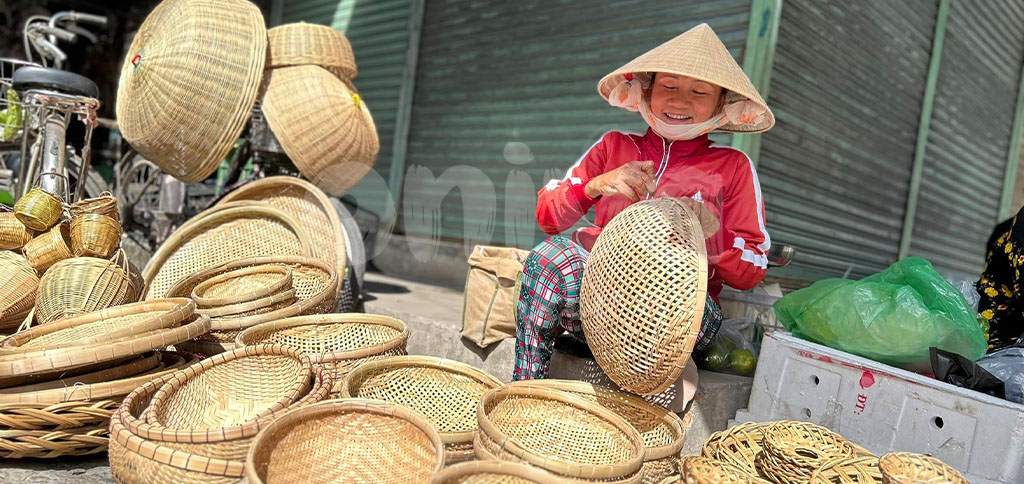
105	204
853	470
737	445
351	440
661	430
643	292
558	432
49	248
38	209
702	470
446	392
339	342
299	44
908	468
95	235
262	305
81	285
13	234
242	285
493	472
18	293
792	450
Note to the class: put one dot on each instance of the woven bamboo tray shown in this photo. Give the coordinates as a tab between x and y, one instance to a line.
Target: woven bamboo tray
189	82
13	234
737	445
343	441
643	292
446	392
854	470
792	450
133	367
18	293
38	209
911	468
299	44
95	235
309	205
661	430
702	470
493	472
559	432
242	285
105	204
82	285
49	247
212	239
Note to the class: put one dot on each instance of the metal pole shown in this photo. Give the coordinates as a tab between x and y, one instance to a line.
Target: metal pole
1013	156
758	59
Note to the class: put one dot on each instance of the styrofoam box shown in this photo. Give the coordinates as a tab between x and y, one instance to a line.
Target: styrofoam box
887	409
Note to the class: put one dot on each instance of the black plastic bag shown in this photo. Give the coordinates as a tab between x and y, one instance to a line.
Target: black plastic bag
962	372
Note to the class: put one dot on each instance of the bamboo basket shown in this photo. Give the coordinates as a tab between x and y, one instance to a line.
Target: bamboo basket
49	248
493	472
13	234
643	292
792	450
911	468
661	430
134	274
94	235
342	441
82	285
446	392
854	470
558	432
189	82
137	366
212	239
676	479
105	204
299	44
738	446
242	285
38	209
702	470
252	308
18	293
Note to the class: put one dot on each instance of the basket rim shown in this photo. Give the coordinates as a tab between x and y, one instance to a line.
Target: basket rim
349	389
886	461
748	479
346	405
841	462
214	302
522	471
560	466
335	318
242	263
241	307
665	415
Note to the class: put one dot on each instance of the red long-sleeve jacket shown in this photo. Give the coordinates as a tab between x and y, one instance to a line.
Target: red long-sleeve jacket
721	177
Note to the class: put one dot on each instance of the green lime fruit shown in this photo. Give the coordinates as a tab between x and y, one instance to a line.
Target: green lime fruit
715	359
742	362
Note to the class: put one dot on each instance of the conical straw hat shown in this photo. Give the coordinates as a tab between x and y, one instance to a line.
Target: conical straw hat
301	44
696	53
323	126
189	83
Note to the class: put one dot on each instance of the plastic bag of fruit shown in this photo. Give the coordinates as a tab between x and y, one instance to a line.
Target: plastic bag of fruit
730	351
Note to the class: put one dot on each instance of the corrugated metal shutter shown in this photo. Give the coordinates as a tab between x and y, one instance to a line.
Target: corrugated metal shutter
970	133
379	34
847	87
508	90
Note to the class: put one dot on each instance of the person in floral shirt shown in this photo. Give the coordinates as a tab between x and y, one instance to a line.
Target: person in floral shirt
1000	288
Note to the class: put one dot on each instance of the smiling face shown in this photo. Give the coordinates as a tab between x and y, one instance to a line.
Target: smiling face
679	99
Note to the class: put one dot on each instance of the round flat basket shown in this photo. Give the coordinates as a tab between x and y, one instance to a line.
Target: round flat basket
352	440
792	450
737	445
105	204
13	234
306	106
908	467
702	470
643	292
300	44
854	470
177	106
214	238
82	285
18	293
446	392
242	285
558	432
661	430
493	472
49	247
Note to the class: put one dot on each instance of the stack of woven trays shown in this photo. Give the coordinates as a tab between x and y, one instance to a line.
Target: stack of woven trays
59	382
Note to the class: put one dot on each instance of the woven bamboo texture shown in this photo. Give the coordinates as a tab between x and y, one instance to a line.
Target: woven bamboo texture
299	44
346	441
493	472
908	467
81	285
446	392
18	292
95	235
56	430
256	307
854	470
50	247
189	83
309	205
38	209
642	294
212	239
13	233
792	450
242	285
306	107
737	445
134	274
702	470
560	433
137	366
105	204
676	479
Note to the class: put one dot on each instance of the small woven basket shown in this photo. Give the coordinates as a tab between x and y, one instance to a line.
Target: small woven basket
81	285
446	392
350	440
105	204
792	450
737	445
493	472
242	285
38	209
95	235
854	470
13	234
50	247
702	470
911	468
300	44
18	293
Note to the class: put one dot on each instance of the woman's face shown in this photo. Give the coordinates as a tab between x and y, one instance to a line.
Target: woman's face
679	99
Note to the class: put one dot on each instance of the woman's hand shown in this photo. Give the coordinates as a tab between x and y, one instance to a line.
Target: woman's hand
635	180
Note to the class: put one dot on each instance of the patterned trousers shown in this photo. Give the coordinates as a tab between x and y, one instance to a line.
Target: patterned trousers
549	305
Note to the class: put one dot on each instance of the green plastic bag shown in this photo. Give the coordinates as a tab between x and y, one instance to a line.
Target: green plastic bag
892	317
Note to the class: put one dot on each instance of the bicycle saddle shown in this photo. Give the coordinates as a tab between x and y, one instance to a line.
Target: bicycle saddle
30	77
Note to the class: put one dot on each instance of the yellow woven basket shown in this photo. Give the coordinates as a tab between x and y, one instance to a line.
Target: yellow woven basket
792	451
49	247
38	209
911	468
300	44
18	293
854	470
702	470
13	233
737	445
95	235
105	204
82	285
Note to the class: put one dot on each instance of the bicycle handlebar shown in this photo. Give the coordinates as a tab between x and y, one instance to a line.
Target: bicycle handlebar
58	54
99	20
54	32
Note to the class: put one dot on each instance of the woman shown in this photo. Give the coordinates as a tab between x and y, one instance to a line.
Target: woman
684	89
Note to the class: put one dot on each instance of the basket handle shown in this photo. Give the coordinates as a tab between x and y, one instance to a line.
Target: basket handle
67	181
